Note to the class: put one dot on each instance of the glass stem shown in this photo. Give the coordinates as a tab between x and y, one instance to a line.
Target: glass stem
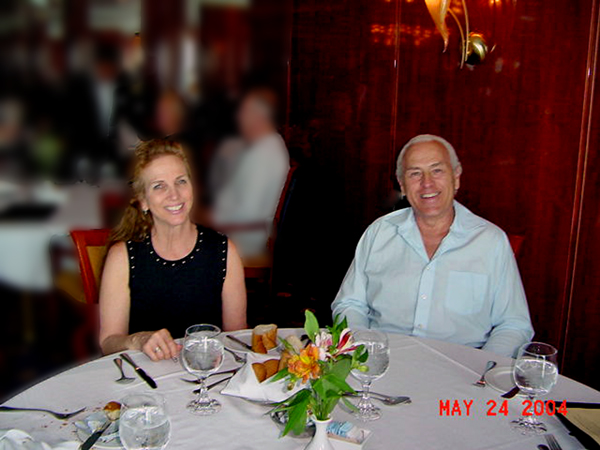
366	387
203	392
531	419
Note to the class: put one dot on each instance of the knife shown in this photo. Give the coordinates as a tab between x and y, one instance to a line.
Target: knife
242	343
510	394
90	441
210	386
143	375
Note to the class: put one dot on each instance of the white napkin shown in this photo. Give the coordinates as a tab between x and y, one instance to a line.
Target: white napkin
19	440
245	385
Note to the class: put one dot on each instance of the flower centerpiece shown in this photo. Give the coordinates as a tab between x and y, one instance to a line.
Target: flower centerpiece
322	366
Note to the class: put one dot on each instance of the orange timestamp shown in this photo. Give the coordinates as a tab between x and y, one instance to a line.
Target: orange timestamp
458	408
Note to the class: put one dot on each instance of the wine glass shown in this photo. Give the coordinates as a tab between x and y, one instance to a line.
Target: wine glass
201	355
144	423
377	364
535	373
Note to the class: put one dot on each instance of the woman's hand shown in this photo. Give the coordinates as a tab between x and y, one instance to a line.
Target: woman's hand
157	345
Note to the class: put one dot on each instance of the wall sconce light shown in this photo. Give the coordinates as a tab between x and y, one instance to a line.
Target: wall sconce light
473	48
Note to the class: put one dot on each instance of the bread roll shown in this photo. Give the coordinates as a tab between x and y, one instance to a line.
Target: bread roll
264	338
295	342
260	371
272	367
285	357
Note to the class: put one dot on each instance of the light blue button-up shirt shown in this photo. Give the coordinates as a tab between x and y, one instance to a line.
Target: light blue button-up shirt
469	293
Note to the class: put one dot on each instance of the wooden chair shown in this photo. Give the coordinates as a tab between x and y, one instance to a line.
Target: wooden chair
516	242
91	249
260	267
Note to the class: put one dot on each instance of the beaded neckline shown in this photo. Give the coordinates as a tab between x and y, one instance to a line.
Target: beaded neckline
165	262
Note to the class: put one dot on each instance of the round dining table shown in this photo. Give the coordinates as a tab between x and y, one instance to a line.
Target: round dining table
436	375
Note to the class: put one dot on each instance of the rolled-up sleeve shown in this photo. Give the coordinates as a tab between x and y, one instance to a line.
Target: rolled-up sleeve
511	324
351	300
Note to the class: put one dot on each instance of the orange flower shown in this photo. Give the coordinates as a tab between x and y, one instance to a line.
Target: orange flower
306	364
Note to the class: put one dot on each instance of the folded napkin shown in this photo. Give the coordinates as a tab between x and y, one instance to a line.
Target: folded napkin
19	440
244	384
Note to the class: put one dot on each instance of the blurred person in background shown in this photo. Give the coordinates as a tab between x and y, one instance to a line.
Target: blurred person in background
246	202
163	272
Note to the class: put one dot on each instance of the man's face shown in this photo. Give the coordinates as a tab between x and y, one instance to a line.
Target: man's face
247	117
429	182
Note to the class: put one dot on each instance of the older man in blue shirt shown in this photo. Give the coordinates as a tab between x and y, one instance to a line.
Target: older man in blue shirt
436	269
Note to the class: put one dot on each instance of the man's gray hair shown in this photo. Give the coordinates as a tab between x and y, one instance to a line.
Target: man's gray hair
426	138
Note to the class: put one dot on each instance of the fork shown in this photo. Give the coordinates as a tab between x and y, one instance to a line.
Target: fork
552	442
489	366
236	357
60	416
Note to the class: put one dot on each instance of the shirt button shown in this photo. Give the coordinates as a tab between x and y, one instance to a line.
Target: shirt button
423	297
420	326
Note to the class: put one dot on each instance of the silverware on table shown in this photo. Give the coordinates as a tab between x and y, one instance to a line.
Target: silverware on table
224	372
142	374
489	366
552	442
239	341
123	380
216	383
236	357
510	394
388	400
60	416
91	440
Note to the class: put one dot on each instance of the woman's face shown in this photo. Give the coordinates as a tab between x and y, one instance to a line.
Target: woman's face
168	192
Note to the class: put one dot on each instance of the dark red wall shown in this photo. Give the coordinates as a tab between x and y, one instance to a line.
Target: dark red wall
368	75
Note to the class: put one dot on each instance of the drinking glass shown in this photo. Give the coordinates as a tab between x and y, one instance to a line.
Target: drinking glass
201	355
535	373
144	423
377	363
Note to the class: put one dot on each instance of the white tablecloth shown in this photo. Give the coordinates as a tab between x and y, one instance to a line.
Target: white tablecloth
24	247
428	371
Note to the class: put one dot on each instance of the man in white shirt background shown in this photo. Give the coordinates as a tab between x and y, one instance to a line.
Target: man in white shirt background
245	202
436	269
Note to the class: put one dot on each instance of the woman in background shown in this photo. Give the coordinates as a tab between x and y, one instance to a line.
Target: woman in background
163	272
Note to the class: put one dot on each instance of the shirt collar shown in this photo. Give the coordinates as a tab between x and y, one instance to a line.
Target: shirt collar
463	224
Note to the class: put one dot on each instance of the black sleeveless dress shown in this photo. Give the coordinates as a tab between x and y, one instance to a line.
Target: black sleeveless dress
177	294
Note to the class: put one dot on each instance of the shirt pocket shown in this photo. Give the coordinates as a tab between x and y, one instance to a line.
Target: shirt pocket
466	291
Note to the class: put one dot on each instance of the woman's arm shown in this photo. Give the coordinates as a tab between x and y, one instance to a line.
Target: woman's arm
114	313
234	292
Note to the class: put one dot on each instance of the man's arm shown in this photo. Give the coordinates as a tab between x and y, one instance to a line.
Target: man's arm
351	300
510	313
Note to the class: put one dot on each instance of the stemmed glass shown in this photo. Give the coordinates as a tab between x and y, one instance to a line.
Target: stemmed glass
535	373
378	362
144	423
202	355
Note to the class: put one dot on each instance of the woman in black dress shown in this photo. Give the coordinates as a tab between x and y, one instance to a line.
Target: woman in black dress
163	272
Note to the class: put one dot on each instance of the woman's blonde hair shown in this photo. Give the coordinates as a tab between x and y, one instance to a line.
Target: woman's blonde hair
136	223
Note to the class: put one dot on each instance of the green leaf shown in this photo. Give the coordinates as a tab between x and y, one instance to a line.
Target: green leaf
297	417
349	404
279	375
311	325
342	367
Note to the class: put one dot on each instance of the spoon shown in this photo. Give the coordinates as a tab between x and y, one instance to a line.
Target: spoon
112	410
123	379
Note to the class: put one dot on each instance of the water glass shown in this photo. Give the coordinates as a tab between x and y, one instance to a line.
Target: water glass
377	364
202	355
535	373
144	423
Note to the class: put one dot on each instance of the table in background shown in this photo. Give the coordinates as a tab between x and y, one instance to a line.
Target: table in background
426	370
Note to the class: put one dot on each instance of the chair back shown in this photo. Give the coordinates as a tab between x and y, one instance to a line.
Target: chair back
516	242
284	203
91	249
